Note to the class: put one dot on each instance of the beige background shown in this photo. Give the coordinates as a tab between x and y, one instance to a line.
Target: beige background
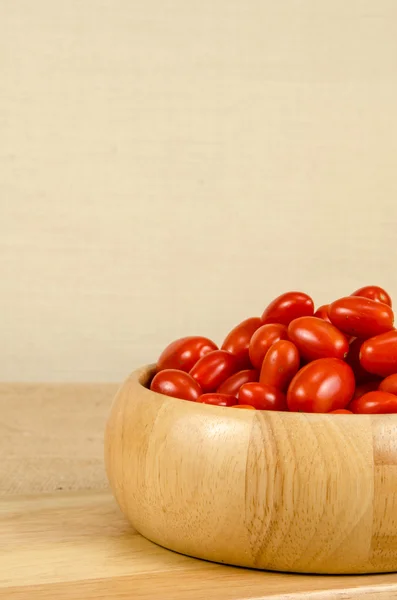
166	167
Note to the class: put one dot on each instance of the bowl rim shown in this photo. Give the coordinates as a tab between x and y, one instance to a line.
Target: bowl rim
142	375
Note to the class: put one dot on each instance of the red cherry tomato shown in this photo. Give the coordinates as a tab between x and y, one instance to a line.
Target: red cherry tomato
177	384
374	403
322	313
287	307
262	397
373	292
218	399
360	317
184	353
364	388
341	411
213	369
244	406
321	386
353	359
262	339
280	365
389	384
316	338
378	355
234	382
238	340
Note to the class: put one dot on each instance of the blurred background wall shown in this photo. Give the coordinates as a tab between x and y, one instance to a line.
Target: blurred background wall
168	166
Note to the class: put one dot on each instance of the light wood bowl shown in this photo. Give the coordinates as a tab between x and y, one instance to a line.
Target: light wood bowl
307	493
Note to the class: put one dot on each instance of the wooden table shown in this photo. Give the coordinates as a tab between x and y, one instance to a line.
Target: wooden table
63	537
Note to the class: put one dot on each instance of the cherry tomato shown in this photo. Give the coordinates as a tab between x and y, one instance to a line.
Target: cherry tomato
362	389
361	317
244	406
177	384
218	399
280	365
389	384
375	403
373	292
238	340
287	307
213	369
378	355
234	382
341	411
353	359
262	396
321	386
322	313
184	353
316	338
262	339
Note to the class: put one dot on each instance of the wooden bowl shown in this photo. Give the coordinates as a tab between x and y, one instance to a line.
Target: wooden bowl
309	493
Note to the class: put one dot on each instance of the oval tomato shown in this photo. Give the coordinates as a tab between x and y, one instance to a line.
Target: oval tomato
378	355
361	317
183	354
322	313
316	338
287	307
340	411
374	403
213	369
374	292
177	384
234	382
353	359
218	399
321	386
244	406
280	365
262	397
389	384
238	340
262	339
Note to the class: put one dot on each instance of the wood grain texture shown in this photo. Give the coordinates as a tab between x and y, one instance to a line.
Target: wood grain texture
51	437
78	545
282	491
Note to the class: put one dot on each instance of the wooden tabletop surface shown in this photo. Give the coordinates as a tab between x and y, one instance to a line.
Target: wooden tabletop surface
62	535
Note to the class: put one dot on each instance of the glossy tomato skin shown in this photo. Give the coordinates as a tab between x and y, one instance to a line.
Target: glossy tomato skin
374	403
262	397
316	338
321	386
341	411
287	307
213	369
389	384
353	359
364	388
374	292
378	355
218	399
177	384
263	338
238	340
244	406
361	317
234	382
322	313
183	353
280	364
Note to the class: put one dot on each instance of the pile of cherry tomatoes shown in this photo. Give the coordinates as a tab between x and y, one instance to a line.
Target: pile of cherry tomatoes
341	358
